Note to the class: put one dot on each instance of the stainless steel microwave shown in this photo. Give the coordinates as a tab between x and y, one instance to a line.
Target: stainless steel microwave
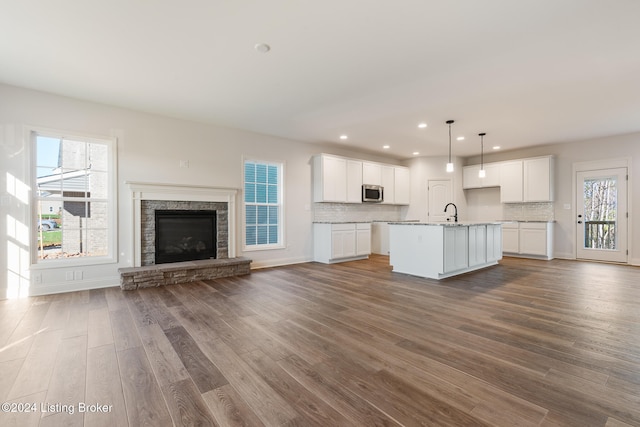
372	193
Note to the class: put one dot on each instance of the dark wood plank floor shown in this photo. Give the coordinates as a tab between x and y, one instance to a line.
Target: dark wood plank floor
526	343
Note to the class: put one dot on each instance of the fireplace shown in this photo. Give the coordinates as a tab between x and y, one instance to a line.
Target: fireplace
184	235
149	197
177	211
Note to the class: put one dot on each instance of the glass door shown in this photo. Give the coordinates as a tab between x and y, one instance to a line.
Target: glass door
602	215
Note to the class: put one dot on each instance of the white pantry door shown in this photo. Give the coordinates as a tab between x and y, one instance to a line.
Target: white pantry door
602	215
440	193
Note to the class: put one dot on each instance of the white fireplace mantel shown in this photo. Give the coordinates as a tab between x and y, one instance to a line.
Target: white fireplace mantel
189	193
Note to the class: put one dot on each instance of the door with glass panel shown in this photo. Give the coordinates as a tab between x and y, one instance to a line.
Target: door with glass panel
602	215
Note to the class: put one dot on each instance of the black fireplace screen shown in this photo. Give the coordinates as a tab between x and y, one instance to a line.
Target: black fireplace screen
185	235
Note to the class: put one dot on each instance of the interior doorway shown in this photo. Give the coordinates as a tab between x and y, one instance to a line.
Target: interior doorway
440	193
602	215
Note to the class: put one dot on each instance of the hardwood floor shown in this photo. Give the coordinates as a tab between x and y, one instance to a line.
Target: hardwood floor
527	343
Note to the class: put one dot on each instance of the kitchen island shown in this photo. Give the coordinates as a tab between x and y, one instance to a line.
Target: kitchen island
438	250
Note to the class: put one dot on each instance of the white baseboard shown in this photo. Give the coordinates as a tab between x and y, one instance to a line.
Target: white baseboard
562	255
82	285
256	265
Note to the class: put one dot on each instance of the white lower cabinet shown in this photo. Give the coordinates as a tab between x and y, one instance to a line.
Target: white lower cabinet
494	242
380	238
341	242
528	239
456	255
510	238
477	245
363	239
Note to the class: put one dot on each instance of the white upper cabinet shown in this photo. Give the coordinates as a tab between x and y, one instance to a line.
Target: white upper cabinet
371	173
527	180
329	179
402	194
493	173
339	180
511	182
538	179
521	180
471	178
388	184
354	181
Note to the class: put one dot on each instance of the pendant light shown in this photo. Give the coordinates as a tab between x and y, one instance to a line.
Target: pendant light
482	172
450	164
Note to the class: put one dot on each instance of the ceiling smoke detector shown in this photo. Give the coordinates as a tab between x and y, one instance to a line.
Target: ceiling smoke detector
262	47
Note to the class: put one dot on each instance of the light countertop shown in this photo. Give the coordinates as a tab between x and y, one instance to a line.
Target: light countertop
451	223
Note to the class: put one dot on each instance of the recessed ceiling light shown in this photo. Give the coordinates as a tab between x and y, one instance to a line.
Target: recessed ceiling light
422	125
262	47
386	147
460	138
415	153
496	147
343	137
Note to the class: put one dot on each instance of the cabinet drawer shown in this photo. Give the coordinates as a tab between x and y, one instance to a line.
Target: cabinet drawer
363	226
533	226
343	227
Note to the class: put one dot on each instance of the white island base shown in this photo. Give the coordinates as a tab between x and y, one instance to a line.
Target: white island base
441	250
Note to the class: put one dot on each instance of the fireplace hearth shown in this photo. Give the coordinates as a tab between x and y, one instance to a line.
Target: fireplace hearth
184	235
147	198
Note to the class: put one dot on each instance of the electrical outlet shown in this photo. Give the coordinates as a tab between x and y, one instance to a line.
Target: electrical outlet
37	278
77	275
184	163
69	275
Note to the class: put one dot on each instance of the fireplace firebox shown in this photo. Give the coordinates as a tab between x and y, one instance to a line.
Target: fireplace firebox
184	235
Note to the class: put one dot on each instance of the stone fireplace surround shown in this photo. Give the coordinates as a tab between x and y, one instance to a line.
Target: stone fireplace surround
148	225
146	197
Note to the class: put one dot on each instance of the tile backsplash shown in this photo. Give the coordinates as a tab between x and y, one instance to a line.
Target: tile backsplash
538	211
358	212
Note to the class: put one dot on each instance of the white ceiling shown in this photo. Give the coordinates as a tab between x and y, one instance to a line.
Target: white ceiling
527	72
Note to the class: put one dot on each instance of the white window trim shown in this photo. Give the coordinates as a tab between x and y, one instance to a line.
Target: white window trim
112	197
281	227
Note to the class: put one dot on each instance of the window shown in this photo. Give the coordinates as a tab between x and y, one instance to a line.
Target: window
262	205
74	198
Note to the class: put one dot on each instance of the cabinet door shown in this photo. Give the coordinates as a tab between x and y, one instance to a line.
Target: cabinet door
343	243
354	181
494	242
477	245
456	252
511	182
510	238
402	186
333	178
470	178
533	239
363	239
537	180
388	184
492	178
371	173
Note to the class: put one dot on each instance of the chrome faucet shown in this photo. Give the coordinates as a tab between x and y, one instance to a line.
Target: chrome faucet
455	215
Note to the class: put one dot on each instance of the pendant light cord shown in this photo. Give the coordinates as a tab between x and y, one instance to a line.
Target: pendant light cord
450	122
481	151
449	142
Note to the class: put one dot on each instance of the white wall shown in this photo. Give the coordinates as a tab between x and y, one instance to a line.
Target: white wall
424	169
567	154
150	149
